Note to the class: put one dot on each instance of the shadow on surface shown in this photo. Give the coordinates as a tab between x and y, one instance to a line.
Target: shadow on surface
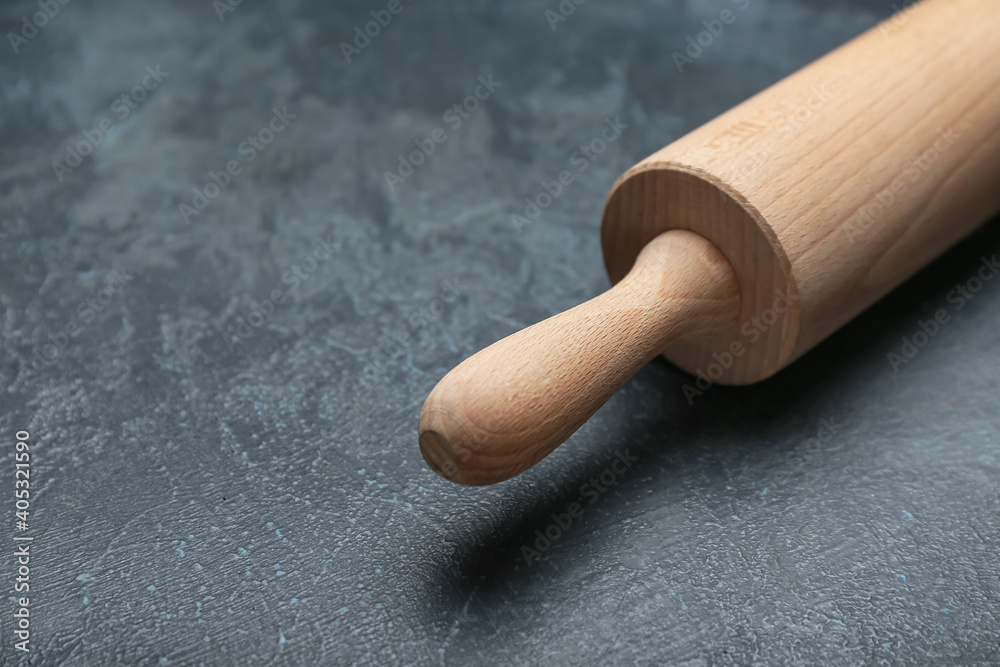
662	436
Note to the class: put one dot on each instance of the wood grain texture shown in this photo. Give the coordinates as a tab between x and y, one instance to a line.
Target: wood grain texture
833	186
809	201
505	408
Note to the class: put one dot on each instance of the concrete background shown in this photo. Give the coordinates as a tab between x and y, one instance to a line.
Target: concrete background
214	487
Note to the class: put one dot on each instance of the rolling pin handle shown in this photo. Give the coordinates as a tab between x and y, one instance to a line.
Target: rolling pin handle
505	408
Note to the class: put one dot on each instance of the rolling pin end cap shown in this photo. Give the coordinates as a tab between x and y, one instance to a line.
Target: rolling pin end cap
459	453
438	453
444	457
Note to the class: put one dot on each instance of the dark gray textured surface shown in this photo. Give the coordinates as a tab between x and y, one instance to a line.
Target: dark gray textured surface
194	503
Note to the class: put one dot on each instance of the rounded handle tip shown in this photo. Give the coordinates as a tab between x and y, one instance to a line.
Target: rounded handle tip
441	456
462	453
505	408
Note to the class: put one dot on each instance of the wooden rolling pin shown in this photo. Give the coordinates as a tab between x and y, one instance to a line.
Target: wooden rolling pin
739	247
